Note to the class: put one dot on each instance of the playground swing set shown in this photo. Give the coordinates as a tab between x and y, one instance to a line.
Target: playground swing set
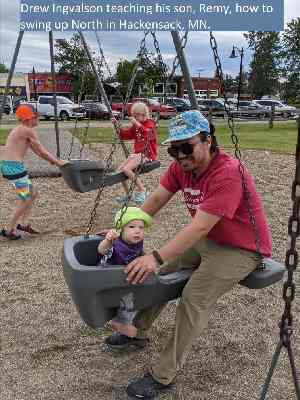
97	291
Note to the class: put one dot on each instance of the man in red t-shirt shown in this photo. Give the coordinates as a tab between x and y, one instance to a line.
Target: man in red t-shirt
219	242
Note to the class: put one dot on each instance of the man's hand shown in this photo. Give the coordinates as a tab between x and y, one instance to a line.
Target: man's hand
140	268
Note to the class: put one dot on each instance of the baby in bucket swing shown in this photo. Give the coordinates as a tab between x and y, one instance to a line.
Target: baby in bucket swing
119	247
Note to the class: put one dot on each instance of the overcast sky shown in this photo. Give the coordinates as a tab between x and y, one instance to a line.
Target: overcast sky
35	50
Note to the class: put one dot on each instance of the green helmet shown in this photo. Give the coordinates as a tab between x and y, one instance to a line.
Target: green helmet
130	214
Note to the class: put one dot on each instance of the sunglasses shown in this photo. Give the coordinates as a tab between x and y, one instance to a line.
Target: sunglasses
185	148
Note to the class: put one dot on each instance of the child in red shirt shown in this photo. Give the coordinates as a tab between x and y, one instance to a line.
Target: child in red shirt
143	132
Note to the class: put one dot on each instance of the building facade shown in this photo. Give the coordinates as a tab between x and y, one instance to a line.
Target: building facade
205	88
19	85
40	83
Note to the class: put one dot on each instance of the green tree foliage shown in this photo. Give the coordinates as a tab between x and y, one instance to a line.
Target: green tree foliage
3	68
291	60
149	73
71	58
265	65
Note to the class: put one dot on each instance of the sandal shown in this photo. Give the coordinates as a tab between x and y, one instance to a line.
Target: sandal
12	234
140	197
28	229
122	199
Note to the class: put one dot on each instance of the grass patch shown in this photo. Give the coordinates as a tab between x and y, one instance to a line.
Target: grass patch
282	138
3	135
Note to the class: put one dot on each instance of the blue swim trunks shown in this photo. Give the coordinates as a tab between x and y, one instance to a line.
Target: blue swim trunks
15	172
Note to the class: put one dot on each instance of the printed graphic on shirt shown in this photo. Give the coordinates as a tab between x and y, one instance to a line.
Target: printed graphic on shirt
193	198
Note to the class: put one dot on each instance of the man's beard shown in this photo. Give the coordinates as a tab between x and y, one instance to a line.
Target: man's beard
187	163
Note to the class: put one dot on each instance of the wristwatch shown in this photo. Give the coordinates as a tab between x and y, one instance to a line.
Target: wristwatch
157	257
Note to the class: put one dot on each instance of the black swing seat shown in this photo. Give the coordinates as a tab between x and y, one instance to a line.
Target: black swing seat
97	290
273	272
86	175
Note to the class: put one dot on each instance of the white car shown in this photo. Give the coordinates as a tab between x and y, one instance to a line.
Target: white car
66	109
281	109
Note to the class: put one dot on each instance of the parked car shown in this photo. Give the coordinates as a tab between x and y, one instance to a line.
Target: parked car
178	103
6	108
216	106
157	109
251	109
281	109
16	101
66	109
96	110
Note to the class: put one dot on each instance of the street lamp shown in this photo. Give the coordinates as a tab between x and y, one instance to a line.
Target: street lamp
234	54
199	71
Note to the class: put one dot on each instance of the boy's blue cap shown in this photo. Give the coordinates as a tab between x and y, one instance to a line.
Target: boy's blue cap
186	125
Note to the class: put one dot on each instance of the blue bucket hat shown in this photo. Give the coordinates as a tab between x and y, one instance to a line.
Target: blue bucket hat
186	125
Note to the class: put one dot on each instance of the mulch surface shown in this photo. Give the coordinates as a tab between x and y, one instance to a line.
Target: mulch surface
48	353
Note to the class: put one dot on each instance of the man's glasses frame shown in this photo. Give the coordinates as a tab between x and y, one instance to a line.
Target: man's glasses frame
185	148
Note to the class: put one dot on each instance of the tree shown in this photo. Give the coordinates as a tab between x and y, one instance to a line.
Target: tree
265	65
291	58
230	84
151	72
71	58
3	68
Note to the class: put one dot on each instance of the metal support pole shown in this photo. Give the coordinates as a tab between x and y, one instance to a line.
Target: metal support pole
54	93
185	70
100	85
11	71
271	370
240	78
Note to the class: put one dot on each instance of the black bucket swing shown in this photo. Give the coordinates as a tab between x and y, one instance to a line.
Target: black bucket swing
86	175
97	291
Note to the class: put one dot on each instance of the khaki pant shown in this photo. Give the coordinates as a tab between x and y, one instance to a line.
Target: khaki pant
219	270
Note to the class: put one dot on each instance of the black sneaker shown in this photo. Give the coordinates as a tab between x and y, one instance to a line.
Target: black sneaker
120	342
146	388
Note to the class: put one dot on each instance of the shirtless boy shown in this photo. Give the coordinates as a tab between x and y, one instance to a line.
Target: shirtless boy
19	141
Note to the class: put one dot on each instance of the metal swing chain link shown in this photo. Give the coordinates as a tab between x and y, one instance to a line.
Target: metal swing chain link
140	54
237	151
291	256
142	51
103	59
108	166
133	183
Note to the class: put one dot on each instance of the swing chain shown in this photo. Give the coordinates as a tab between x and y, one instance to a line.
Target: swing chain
103	59
131	187
237	151
291	256
140	54
108	166
133	182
